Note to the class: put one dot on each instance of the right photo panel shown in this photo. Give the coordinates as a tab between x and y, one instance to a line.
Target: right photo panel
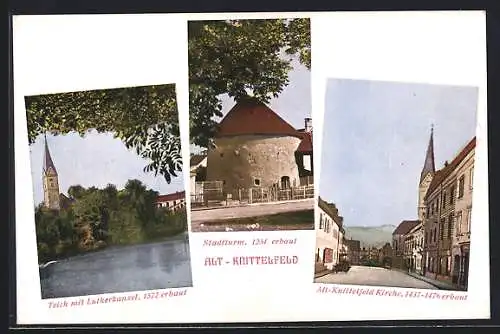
395	197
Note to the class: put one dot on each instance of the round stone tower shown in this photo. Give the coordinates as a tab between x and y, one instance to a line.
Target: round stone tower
254	147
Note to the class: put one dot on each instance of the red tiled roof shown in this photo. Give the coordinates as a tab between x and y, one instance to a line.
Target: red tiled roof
252	117
171	197
444	172
405	227
306	145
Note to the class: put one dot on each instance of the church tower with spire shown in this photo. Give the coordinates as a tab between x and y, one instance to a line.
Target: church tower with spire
426	176
50	181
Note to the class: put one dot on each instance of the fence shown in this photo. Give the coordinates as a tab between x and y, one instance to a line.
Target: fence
211	193
207	193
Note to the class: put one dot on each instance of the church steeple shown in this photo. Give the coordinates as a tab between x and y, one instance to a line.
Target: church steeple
48	164
50	181
429	166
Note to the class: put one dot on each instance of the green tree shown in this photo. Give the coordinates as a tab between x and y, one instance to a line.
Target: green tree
76	191
144	118
229	57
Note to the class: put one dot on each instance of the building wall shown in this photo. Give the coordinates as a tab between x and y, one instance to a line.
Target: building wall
241	160
414	241
51	190
398	248
422	190
445	225
431	232
173	204
327	236
353	251
463	214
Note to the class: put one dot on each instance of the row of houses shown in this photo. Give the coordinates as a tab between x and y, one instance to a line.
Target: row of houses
332	245
437	244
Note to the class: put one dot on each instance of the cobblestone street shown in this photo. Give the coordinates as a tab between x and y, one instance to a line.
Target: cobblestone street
360	275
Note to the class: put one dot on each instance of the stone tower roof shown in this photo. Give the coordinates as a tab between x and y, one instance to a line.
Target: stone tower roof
252	117
429	165
48	164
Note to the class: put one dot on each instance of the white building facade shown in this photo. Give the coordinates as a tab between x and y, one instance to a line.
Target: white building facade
329	235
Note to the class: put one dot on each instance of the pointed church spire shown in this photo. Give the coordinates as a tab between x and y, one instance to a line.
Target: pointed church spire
429	166
48	164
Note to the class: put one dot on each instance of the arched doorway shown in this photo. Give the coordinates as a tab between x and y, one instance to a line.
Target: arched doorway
285	182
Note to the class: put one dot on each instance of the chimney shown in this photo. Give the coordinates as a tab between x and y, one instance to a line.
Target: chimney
308	124
446	163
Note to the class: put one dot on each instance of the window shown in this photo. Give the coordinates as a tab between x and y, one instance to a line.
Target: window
256	182
307	162
468	220
427	212
459	223
435	234
437	205
320	221
443	201
461	182
452	194
471	177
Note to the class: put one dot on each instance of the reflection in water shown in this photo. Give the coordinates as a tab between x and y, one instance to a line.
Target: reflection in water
144	259
120	269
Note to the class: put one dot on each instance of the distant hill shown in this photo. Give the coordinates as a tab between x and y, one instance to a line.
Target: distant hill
370	235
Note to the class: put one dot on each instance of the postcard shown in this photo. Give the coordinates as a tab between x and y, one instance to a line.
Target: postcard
387	206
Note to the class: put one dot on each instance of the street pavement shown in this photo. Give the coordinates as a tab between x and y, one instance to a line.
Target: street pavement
360	275
253	210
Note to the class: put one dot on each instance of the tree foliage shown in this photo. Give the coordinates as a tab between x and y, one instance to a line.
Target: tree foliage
232	56
144	118
101	217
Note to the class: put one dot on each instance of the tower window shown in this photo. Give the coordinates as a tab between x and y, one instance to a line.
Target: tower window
256	182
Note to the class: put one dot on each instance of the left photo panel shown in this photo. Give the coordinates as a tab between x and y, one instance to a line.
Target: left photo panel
108	190
101	218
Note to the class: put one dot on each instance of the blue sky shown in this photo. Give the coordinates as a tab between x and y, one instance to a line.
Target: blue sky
375	135
293	104
93	160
